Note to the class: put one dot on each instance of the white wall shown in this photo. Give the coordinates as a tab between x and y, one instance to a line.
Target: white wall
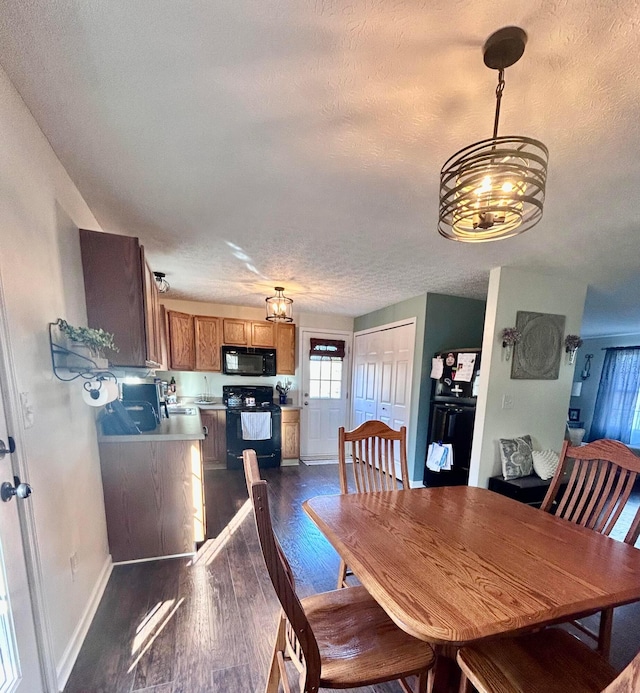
539	406
191	384
40	269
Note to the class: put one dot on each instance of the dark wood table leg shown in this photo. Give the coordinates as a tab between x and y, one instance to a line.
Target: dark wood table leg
445	675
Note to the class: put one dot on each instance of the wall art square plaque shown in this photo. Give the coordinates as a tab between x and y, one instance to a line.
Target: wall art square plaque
537	355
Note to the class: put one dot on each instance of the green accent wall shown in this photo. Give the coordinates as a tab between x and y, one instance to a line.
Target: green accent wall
442	322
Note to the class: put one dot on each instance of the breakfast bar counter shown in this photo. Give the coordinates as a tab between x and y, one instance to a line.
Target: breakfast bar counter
176	427
153	490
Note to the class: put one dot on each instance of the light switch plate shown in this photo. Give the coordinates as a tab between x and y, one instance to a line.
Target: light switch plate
507	401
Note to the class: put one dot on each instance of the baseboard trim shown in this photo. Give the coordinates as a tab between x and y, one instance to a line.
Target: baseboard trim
63	670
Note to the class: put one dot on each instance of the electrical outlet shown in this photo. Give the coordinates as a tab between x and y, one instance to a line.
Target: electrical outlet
73	562
507	401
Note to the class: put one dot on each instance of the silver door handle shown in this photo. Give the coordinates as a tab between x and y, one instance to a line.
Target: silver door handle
8	490
4	450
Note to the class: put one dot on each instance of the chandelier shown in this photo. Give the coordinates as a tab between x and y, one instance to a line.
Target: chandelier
161	282
494	188
279	306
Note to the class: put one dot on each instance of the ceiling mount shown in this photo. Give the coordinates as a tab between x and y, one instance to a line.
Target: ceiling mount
504	47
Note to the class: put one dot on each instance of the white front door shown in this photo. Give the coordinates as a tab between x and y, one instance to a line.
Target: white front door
324	398
19	665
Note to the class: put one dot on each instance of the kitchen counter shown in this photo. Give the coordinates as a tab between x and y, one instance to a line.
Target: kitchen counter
176	427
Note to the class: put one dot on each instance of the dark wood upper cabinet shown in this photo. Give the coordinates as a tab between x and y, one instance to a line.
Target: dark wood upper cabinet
122	297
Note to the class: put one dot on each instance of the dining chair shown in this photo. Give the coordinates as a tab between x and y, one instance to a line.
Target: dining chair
373	449
338	639
599	486
549	661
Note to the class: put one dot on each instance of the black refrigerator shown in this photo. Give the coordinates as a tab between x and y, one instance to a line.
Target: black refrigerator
453	410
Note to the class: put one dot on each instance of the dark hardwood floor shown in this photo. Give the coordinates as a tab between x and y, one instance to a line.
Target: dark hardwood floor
206	625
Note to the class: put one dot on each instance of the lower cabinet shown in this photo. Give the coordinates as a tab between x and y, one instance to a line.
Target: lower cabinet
214	446
153	497
290	434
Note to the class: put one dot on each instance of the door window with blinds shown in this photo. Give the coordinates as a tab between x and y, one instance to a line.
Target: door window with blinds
326	357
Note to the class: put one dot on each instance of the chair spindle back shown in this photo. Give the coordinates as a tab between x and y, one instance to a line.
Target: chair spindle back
598	488
374	449
302	644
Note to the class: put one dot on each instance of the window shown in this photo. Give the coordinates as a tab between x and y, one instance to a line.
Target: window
325	368
617	410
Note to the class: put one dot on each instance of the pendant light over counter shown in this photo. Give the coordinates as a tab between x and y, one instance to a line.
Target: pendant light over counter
494	188
279	307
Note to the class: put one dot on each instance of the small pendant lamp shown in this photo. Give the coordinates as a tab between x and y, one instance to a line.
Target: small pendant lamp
279	307
494	188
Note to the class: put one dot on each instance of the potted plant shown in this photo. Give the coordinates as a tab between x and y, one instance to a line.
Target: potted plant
96	341
510	337
572	343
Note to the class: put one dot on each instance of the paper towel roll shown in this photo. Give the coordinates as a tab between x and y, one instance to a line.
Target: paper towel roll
97	393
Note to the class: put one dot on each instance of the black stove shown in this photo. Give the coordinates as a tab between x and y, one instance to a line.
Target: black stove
241	399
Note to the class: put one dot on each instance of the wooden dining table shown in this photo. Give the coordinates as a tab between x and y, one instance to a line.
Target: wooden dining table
456	564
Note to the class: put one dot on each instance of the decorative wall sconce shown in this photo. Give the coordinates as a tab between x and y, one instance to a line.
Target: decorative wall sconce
572	343
510	337
161	282
586	371
279	307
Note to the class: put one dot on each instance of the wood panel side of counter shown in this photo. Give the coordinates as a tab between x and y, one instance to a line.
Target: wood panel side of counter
154	498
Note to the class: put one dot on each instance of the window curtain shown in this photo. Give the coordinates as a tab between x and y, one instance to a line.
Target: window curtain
617	395
335	348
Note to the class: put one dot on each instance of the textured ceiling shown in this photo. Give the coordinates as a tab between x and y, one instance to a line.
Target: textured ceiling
250	143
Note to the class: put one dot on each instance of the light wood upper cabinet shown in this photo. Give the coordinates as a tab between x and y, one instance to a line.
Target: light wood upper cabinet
182	349
286	349
207	343
195	341
262	334
235	331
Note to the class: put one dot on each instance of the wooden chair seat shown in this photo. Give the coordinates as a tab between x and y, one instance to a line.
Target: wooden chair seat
359	644
549	661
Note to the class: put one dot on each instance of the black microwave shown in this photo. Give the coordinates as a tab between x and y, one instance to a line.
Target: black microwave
248	361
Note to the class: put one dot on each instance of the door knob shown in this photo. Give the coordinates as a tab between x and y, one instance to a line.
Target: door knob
4	450
8	490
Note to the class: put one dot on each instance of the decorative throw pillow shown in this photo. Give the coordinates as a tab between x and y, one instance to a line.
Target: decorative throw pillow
545	463
516	457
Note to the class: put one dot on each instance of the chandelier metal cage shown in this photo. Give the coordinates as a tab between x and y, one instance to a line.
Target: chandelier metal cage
279	307
494	188
161	282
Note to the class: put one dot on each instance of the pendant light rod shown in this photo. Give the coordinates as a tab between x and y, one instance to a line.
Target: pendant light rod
499	90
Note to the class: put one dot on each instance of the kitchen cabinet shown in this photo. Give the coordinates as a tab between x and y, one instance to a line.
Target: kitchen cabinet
122	297
262	334
286	349
235	332
154	498
182	349
250	333
290	433
194	342
207	343
214	446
